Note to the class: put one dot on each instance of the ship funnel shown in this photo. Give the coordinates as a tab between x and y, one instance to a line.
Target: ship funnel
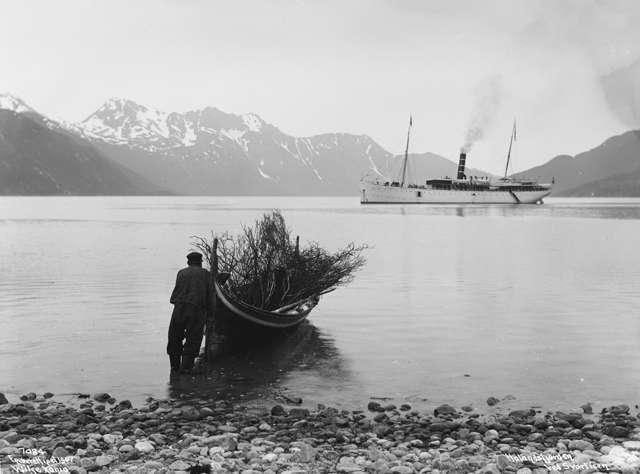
463	159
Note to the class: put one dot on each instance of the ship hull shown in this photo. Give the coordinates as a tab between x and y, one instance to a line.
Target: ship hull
371	193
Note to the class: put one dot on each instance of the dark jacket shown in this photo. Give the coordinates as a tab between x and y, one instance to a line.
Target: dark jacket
193	286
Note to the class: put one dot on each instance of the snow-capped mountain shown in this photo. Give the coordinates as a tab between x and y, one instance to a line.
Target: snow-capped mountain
122	121
13	103
208	151
38	156
19	106
188	151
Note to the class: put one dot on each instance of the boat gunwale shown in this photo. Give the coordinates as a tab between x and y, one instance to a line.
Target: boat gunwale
260	316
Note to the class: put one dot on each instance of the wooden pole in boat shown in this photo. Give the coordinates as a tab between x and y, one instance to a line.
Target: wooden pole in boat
210	324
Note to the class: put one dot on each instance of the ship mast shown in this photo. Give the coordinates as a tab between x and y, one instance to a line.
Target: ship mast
406	154
513	137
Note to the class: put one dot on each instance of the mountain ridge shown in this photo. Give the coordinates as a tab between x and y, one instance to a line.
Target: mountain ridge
619	185
328	163
208	151
618	155
38	160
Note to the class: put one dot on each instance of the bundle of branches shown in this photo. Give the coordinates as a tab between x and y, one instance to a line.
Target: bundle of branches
268	269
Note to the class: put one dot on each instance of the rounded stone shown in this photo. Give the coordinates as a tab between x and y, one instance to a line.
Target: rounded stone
101	397
104	460
110	438
60	452
124	404
144	446
631	445
278	410
580	445
270	457
25	443
444	410
126	448
491	401
179	465
587	408
374	406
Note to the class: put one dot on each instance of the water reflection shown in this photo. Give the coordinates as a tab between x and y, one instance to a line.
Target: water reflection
557	208
258	371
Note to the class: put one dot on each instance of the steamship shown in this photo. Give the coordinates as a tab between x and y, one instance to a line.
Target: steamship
461	190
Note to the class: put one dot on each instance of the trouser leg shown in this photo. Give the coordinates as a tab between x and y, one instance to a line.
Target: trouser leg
176	331
194	330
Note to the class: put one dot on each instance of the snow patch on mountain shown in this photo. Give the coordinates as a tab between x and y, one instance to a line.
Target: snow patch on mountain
233	134
190	136
372	164
13	103
253	122
124	122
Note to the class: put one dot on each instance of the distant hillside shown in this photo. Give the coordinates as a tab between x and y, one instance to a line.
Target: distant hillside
617	157
329	164
620	185
35	159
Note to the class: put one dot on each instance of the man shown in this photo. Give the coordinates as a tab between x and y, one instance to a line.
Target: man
191	298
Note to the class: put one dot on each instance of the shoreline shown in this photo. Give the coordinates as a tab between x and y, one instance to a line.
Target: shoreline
102	434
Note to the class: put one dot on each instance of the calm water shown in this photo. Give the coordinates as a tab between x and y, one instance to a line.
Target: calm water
539	302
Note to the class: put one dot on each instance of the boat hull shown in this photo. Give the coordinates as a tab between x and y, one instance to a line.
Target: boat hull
234	313
371	193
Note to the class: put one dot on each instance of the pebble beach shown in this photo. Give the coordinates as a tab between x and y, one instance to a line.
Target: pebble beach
97	433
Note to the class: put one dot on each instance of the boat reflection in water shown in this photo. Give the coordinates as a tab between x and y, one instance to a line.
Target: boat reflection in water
260	369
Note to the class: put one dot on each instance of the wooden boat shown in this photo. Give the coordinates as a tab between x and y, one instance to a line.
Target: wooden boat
236	312
237	323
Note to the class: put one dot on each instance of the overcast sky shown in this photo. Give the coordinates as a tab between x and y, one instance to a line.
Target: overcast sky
351	66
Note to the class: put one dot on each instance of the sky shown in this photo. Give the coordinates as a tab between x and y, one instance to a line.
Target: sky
355	66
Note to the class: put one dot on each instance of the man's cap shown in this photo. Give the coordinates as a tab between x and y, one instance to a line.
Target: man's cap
194	257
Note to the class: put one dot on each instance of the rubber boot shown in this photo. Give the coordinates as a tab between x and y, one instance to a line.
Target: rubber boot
175	363
187	365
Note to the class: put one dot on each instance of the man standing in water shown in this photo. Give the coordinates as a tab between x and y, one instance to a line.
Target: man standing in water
191	298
